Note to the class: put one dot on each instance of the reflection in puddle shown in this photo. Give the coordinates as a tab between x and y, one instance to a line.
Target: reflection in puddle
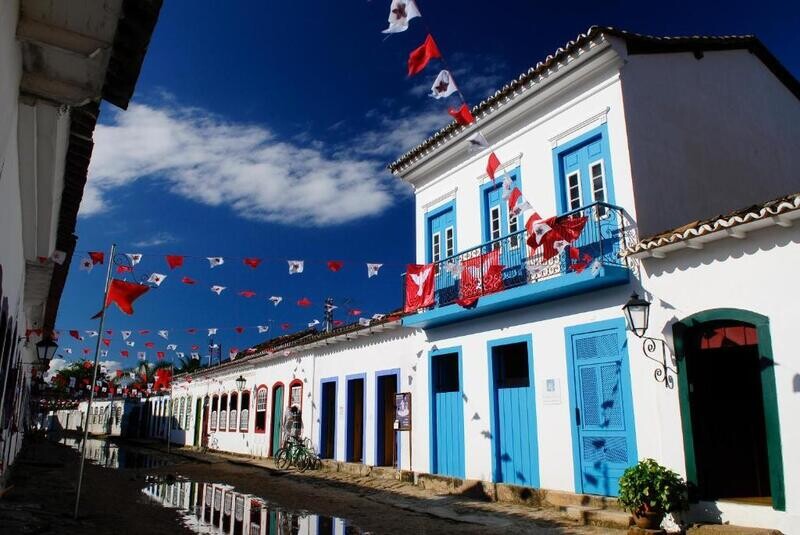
216	508
108	455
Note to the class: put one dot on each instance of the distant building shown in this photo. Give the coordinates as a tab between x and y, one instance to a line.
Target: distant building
58	60
640	143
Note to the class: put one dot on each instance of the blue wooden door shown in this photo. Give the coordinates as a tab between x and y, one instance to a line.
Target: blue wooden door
605	438
515	446
500	224
447	418
442	245
277	417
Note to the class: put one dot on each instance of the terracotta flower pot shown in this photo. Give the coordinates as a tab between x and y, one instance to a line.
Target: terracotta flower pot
648	519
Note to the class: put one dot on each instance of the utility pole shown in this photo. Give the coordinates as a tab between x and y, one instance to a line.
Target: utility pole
329	314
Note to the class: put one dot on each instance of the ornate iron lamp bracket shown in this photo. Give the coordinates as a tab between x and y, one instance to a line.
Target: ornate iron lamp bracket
658	351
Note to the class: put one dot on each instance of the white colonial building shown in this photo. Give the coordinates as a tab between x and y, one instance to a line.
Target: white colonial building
542	384
58	60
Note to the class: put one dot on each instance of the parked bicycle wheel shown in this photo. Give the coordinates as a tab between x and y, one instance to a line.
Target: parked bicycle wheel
283	459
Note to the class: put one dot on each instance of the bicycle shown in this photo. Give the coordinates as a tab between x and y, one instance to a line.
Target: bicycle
297	453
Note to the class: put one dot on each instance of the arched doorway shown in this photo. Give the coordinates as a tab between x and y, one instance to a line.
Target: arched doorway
729	408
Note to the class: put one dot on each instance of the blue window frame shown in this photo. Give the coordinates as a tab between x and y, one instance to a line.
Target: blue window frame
440	233
583	171
495	222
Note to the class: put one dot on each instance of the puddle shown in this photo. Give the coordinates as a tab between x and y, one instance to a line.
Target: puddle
109	455
217	508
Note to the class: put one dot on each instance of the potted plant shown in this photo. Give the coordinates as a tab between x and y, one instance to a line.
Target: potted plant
649	491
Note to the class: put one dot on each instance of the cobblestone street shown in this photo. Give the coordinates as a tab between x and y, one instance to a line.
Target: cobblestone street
43	497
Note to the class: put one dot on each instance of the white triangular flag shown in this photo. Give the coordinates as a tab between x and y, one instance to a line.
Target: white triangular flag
517	203
104	352
262	328
59	257
68	350
295	266
156	278
560	245
400	12
196	356
172	347
364	322
164	334
180	354
126	334
92	334
142	355
443	86
313	324
372	270
378	317
596	267
87	264
508	185
476	143
135	258
276	299
329	307
212	331
130	343
215	261
537	227
217	289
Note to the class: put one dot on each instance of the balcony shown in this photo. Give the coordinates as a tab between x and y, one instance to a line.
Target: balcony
506	273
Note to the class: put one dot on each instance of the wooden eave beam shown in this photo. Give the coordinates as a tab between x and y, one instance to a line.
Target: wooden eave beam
43	34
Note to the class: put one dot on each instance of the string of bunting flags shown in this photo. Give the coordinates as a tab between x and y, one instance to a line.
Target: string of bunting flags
480	275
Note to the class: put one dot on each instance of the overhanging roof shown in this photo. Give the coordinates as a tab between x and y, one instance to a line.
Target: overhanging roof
635	43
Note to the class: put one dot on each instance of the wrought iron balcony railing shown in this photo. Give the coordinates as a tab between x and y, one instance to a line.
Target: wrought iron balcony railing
509	261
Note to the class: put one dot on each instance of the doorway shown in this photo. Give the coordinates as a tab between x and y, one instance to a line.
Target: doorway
204	430
199	421
277	417
447	414
513	413
327	449
729	407
355	419
386	443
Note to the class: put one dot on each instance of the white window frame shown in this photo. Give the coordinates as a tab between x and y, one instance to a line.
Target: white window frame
436	246
495	215
449	241
188	415
577	173
259	407
513	221
599	212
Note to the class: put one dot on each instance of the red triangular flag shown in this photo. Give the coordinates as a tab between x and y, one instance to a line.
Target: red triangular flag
419	58
335	265
106	342
239	330
247	293
97	257
191	330
492	165
76	335
144	332
285	326
124	269
159	355
124	353
195	347
124	294
174	261
462	115
187	280
252	262
149	345
305	302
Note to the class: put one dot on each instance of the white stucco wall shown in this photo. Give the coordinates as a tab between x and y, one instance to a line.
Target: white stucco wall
707	136
756	275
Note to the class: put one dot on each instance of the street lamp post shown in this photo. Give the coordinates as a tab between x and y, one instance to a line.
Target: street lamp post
240	382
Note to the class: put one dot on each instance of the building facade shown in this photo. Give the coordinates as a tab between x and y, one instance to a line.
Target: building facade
57	62
527	374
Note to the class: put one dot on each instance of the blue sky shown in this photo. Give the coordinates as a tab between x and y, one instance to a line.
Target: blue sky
263	129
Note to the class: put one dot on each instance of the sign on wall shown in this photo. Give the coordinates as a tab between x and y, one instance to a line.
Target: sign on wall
402	411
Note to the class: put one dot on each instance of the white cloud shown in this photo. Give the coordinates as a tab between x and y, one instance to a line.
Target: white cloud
397	134
215	162
56	365
159	238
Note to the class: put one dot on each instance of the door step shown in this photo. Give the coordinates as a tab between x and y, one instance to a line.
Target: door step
727	529
592	516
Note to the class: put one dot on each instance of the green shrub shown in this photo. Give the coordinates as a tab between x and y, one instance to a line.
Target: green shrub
650	487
